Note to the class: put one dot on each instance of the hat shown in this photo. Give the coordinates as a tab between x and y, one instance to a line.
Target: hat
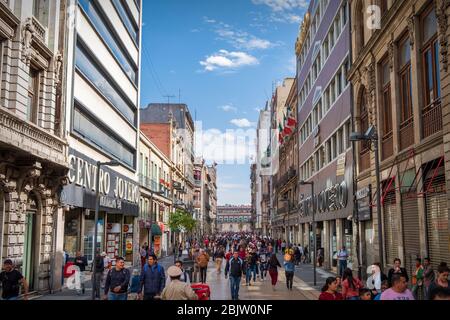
8	261
103	254
174	272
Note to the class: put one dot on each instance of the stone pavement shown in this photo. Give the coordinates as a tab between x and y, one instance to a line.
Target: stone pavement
220	287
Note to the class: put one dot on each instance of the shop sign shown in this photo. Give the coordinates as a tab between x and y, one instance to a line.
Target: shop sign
117	192
340	170
129	245
113	227
127	228
328	200
363	200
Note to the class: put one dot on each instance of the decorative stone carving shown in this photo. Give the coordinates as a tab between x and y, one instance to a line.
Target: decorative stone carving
440	7
58	65
27	36
390	48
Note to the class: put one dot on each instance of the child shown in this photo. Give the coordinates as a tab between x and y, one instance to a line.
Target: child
365	294
134	288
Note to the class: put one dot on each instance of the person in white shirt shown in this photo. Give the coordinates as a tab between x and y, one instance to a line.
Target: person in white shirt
342	257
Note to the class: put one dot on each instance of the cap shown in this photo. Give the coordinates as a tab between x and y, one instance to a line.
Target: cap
103	254
8	261
174	271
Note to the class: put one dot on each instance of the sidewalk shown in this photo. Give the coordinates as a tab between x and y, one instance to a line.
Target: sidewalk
67	294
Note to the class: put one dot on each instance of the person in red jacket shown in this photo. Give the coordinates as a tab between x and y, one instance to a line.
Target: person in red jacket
351	286
242	253
329	290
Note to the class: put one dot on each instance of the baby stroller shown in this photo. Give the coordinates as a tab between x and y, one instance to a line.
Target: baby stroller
202	290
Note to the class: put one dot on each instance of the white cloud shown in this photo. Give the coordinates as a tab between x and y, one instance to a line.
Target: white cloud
208	20
240	39
233	186
228	108
242	123
195	30
282	5
228	60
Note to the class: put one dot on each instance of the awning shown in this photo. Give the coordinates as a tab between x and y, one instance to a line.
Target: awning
156	230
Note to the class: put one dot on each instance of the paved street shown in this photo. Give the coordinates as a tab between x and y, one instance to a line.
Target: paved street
220	287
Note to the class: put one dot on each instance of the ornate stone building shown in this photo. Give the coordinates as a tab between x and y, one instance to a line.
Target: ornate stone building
33	150
400	86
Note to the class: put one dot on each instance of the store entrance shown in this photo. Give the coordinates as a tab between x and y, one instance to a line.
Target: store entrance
28	252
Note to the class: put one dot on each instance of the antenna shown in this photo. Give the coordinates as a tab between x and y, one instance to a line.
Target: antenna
168	98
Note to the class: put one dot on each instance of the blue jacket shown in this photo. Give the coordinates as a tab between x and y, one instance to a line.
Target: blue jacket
152	279
289	266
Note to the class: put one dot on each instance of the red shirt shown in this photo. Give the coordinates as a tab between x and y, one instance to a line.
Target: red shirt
242	255
228	255
329	296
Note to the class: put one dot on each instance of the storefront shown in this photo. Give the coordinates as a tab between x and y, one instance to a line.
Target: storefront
118	208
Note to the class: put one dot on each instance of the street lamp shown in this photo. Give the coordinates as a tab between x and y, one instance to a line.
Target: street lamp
372	137
302	183
113	163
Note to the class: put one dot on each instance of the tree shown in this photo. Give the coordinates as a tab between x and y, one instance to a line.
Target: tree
182	220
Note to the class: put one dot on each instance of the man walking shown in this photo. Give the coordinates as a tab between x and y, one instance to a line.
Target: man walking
235	267
203	260
342	257
117	281
81	262
11	280
153	279
219	255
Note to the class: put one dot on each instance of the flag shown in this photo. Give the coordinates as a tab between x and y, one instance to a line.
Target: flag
280	133
287	131
291	119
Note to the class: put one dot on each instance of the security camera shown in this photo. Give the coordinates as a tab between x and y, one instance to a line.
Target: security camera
371	133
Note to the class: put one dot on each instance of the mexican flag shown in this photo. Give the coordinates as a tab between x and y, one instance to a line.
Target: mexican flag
291	122
280	134
287	131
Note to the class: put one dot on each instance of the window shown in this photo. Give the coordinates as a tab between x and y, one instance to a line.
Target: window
430	58
33	96
364	121
99	135
406	112
146	167
111	39
127	19
383	6
386	99
97	77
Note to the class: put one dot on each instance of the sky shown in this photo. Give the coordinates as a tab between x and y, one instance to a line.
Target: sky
222	58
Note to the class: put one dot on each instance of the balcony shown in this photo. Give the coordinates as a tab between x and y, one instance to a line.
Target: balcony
30	138
432	119
149	183
407	133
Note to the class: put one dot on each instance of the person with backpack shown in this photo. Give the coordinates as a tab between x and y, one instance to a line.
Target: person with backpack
289	268
351	285
235	268
203	260
117	282
184	277
152	280
98	268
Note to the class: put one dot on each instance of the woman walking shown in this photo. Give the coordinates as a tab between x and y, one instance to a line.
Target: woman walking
273	270
329	290
289	268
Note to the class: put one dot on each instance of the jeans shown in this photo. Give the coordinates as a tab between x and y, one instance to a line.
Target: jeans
10	298
117	296
203	274
235	282
81	277
274	276
263	270
148	297
248	275
342	266
289	279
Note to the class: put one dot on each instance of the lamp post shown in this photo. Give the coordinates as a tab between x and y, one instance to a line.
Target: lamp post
302	183
150	240
288	228
113	163
372	136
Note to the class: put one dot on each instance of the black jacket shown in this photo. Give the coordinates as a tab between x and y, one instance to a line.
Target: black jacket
98	264
81	262
235	267
391	274
117	278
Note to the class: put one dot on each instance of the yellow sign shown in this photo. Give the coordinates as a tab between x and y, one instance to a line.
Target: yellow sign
340	170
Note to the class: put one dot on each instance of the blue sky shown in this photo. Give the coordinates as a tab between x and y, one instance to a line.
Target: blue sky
224	57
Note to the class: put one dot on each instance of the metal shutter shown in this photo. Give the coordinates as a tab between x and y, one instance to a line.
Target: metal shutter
437	221
390	226
411	230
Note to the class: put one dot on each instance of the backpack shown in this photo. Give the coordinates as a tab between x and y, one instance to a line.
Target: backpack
158	267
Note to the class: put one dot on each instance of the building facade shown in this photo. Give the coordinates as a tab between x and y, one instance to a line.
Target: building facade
400	87
324	124
33	147
102	125
155	203
234	218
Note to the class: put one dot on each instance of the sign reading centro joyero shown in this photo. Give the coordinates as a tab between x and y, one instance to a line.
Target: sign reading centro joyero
331	199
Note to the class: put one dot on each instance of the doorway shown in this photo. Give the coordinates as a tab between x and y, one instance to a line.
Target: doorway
29	251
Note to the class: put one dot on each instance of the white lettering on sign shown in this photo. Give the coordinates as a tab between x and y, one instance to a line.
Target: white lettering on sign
72	163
